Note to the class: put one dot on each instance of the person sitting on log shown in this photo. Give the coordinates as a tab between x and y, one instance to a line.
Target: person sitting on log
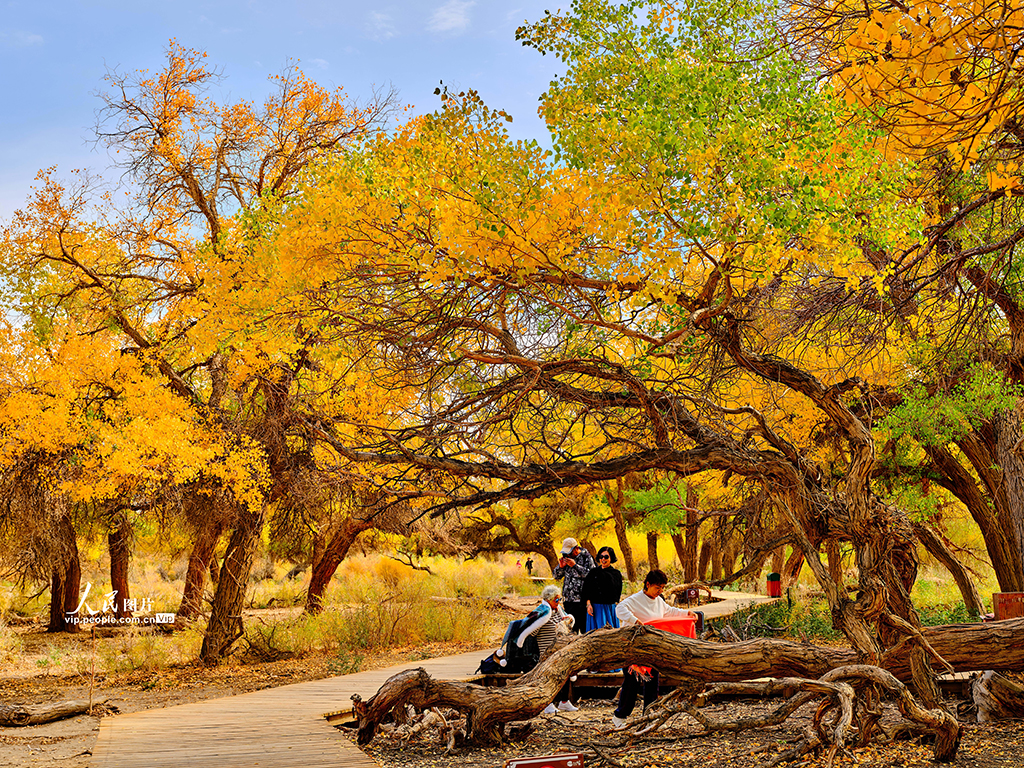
640	608
542	624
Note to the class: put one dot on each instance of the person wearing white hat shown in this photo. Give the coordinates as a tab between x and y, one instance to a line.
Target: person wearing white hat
574	563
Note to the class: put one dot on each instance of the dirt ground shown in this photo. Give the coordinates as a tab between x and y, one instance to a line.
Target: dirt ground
589	732
68	743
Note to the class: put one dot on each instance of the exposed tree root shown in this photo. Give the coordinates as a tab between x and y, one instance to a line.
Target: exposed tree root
849	691
845	698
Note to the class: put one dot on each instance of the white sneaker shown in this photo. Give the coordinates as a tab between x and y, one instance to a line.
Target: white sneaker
618	722
549	709
567	706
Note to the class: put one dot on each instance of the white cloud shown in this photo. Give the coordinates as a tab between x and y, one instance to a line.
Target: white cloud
321	63
20	39
381	26
453	16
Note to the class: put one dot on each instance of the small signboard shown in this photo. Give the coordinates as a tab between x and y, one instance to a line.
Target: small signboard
691	596
567	760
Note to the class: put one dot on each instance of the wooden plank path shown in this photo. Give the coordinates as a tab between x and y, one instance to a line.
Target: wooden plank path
731	602
280	727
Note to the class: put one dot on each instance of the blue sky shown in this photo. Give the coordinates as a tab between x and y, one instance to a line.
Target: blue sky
53	56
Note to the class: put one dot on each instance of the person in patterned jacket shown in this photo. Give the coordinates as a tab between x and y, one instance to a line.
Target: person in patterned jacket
574	563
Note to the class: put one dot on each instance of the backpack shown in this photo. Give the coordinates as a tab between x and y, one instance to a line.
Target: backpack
490	666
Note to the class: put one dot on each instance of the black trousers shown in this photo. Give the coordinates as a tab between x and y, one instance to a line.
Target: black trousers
579	612
631	687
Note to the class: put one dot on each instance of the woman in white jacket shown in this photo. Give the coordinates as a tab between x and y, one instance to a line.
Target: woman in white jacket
542	623
640	608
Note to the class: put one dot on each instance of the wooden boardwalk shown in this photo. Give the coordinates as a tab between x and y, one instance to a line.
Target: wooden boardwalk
730	602
275	728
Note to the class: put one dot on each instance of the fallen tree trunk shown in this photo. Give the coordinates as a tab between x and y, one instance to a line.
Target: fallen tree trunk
21	714
997	697
998	644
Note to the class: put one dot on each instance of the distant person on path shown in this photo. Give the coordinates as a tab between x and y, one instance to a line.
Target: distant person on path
543	624
529	566
574	563
640	608
602	589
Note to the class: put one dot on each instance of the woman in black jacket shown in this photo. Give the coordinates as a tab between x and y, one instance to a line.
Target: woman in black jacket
602	589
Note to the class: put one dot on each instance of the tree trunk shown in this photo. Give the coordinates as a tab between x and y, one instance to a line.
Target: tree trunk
692	530
997	697
66	580
680	547
1011	462
716	560
730	552
225	625
15	715
834	556
615	502
935	546
489	708
704	560
119	545
331	556
652	551
791	570
199	561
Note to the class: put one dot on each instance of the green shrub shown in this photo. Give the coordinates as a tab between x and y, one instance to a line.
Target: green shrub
811	619
955	613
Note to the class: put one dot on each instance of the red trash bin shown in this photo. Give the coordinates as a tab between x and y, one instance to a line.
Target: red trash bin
774	585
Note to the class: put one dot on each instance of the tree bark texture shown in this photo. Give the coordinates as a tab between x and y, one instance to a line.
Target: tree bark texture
331	555
988	501
934	545
1000	644
1011	462
652	550
691	529
119	546
66	579
997	697
791	570
680	547
13	715
225	626
703	561
615	502
199	562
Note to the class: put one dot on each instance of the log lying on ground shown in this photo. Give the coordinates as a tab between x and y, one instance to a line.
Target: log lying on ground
997	697
21	714
1000	645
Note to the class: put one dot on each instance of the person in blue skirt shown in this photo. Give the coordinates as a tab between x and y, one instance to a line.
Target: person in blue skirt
602	589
